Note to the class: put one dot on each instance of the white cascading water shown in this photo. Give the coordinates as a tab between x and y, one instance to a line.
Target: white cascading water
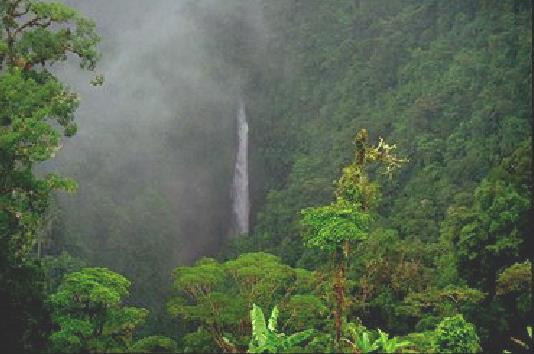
240	193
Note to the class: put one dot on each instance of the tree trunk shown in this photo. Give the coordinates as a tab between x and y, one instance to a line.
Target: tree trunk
339	291
218	337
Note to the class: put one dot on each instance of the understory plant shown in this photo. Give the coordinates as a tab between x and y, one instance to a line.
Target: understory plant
265	337
365	341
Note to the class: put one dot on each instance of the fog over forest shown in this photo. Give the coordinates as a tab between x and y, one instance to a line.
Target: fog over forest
160	130
154	154
375	154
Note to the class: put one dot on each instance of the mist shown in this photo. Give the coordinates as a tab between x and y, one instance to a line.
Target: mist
155	149
357	164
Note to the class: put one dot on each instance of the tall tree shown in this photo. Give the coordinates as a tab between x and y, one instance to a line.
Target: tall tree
88	311
347	219
33	105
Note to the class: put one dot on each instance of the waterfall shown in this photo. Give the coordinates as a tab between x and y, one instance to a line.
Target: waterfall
241	204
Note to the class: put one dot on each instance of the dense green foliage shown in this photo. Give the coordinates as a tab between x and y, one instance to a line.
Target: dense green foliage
334	227
455	335
89	315
88	311
450	84
216	297
34	108
432	259
265	338
154	344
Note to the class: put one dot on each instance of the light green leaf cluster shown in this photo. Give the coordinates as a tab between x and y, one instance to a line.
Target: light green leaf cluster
456	335
266	339
91	286
261	276
200	279
327	227
88	310
365	341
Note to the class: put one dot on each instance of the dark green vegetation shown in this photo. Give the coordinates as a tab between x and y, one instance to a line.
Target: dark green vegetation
33	105
430	256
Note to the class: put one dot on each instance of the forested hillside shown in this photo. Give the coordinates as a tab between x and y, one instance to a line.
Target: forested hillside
390	175
450	84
